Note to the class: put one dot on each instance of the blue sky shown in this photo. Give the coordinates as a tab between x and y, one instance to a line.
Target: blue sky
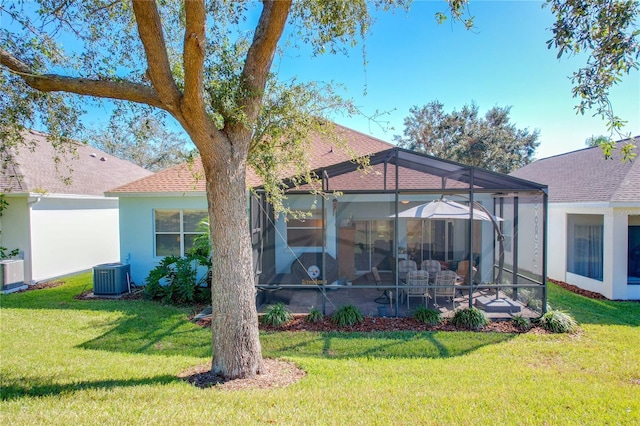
504	61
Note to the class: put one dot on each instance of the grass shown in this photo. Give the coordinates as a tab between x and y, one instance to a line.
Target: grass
67	361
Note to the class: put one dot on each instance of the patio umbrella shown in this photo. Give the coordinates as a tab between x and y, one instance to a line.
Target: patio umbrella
446	209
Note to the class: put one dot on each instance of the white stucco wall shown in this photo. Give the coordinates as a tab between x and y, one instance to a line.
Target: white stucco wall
615	250
137	228
557	242
72	234
15	230
530	236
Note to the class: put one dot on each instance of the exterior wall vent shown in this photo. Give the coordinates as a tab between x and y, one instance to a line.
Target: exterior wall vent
111	279
11	272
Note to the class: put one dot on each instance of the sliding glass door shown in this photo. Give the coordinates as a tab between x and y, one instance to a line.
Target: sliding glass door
374	245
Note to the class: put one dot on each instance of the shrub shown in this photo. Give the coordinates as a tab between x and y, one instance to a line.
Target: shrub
174	281
427	316
521	323
347	315
559	322
277	315
535	304
524	295
471	318
314	316
5	253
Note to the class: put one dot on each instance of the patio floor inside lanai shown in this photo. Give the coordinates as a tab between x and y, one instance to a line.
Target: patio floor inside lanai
371	303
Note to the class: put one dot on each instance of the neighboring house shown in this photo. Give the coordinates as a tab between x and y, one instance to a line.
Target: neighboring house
62	225
594	220
344	239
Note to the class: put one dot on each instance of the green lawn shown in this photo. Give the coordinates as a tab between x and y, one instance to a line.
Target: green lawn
67	361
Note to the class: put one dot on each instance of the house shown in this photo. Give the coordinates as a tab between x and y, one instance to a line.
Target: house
594	220
340	240
57	215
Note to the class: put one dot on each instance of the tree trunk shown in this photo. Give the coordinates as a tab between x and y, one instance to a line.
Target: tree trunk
236	344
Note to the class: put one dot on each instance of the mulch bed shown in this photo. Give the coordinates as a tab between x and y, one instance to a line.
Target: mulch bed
276	374
578	290
382	324
134	295
42	285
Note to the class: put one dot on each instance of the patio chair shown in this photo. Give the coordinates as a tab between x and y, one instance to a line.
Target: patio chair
463	272
417	285
432	267
405	266
384	298
445	286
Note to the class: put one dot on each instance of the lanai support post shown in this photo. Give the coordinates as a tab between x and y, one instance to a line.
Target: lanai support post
396	236
470	271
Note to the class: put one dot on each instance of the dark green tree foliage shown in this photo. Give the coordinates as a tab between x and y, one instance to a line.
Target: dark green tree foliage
490	142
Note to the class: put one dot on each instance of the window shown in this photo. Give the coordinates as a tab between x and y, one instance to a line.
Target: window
585	246
175	231
306	231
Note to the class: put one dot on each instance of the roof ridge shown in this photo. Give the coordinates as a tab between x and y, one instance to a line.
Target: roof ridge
626	140
365	135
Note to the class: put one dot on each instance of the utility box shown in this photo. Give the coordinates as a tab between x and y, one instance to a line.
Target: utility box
111	279
11	272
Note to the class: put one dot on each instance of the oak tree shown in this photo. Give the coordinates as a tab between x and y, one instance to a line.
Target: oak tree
490	142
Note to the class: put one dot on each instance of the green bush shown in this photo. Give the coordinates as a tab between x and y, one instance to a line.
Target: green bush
347	315
276	315
314	316
558	322
524	295
521	323
174	281
471	318
427	316
535	304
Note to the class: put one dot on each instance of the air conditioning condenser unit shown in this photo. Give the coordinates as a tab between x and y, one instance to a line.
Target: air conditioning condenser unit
11	272
111	279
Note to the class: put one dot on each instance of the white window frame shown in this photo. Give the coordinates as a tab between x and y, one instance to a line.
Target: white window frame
315	214
181	233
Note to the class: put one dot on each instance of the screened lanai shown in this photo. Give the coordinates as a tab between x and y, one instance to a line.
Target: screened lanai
410	230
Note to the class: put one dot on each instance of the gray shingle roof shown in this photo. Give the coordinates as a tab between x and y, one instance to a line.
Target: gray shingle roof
585	176
90	171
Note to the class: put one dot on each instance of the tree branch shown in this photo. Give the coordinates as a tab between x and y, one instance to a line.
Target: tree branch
122	90
152	36
193	57
260	55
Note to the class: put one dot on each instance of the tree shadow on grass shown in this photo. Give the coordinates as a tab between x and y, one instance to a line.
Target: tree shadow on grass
31	387
429	344
149	328
141	327
167	337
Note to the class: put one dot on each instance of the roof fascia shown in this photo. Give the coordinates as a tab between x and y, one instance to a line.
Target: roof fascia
156	194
